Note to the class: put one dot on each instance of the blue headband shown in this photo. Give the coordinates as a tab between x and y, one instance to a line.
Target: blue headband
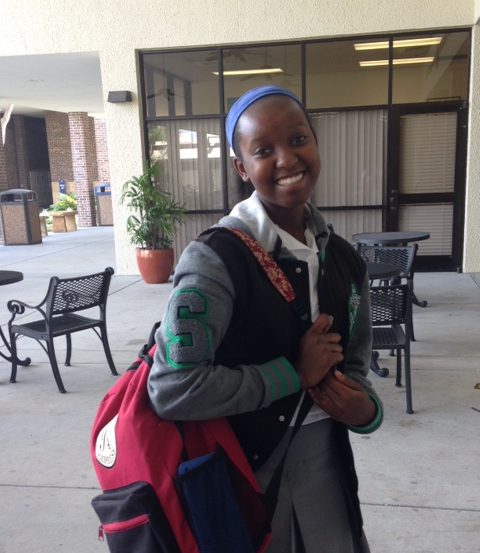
247	100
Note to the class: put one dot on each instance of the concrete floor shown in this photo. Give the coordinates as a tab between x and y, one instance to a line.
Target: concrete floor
419	478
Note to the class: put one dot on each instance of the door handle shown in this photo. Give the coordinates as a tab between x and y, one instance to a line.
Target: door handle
393	200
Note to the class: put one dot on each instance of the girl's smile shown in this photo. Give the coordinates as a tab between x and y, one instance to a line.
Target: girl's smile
290	180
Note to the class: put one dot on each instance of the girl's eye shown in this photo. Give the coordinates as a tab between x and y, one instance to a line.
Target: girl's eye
299	139
260	152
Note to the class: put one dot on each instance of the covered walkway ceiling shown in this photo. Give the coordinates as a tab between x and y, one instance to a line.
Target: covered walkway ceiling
56	82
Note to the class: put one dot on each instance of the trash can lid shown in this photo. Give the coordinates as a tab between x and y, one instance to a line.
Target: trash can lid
18	192
102	189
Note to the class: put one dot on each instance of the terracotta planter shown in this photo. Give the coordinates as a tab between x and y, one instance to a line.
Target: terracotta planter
155	266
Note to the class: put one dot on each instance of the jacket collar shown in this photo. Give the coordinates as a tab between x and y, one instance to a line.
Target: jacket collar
251	217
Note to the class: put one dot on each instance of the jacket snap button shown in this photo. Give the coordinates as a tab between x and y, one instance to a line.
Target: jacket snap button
298	270
281	418
256	457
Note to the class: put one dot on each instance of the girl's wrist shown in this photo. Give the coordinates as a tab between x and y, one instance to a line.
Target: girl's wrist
375	421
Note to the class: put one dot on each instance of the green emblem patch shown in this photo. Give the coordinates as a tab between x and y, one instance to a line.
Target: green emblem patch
353	305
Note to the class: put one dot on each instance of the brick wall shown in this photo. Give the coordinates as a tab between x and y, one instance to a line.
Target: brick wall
59	147
10	159
21	150
3	176
82	139
3	167
77	148
103	167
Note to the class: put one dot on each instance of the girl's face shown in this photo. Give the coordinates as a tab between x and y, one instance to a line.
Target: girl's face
278	153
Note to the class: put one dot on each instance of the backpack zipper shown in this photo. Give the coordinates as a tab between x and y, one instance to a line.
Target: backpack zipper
112	527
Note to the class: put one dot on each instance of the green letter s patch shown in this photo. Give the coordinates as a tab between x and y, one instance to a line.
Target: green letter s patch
189	342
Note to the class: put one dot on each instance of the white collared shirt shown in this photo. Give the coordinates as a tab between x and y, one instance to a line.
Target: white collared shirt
309	254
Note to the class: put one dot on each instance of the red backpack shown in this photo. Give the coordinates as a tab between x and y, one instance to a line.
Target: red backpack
146	505
136	456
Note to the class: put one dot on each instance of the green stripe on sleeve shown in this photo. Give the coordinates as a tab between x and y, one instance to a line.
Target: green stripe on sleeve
282	378
374	423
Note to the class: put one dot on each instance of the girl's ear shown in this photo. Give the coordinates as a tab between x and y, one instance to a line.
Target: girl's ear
240	169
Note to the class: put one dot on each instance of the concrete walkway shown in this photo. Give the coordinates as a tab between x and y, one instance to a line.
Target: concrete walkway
419	474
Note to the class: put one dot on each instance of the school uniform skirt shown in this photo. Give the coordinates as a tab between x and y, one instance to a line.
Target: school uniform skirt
312	514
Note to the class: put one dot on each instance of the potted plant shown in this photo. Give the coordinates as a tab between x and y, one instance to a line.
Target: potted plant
63	213
153	226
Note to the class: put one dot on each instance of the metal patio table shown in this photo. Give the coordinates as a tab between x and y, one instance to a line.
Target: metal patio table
10	277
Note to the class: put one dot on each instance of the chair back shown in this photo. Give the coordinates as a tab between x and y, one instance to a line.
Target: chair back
390	305
78	293
401	257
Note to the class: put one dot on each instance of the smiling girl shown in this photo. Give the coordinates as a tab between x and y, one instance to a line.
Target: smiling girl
250	358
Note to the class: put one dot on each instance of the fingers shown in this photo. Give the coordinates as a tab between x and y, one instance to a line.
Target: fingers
349	403
319	351
346	381
329	387
322	323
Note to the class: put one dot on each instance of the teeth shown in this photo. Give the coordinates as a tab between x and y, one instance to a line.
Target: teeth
290	180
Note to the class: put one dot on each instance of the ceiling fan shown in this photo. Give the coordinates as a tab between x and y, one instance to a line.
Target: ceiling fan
166	93
241	54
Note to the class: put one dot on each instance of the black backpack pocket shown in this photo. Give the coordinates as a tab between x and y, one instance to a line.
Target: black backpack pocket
133	520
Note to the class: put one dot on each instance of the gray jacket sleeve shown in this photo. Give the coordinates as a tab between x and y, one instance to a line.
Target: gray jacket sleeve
357	360
183	383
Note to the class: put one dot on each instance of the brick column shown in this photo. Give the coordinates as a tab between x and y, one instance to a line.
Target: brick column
59	151
3	167
82	138
3	176
21	150
102	150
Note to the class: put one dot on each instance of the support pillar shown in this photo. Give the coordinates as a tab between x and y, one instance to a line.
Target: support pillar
21	151
82	138
59	151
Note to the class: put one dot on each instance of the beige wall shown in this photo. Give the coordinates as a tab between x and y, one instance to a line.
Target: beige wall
116	29
471	263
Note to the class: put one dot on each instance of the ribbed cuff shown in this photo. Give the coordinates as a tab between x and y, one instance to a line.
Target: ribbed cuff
374	423
282	377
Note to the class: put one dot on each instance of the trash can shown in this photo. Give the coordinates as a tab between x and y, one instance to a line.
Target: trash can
103	196
19	215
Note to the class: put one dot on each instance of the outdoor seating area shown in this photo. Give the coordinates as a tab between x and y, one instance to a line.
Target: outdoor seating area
417	472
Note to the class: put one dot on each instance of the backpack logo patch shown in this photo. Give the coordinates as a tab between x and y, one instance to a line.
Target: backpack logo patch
106	445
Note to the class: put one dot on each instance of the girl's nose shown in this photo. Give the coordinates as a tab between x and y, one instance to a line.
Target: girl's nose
286	157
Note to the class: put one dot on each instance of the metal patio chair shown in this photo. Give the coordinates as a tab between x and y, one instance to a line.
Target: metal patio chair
390	312
60	316
402	257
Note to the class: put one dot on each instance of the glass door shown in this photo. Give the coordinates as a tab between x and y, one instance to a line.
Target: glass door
426	179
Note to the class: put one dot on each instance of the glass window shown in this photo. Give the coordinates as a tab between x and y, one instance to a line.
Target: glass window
352	146
335	77
429	68
347	84
188	155
246	68
181	83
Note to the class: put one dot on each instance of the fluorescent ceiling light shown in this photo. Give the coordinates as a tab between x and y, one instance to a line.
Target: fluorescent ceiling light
266	71
401	43
397	61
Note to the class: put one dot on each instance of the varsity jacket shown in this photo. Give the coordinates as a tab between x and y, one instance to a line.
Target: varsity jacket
228	340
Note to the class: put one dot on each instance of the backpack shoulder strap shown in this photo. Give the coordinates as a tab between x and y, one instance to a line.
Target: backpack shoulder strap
271	268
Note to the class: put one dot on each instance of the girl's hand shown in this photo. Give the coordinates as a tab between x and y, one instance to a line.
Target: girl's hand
319	351
343	399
